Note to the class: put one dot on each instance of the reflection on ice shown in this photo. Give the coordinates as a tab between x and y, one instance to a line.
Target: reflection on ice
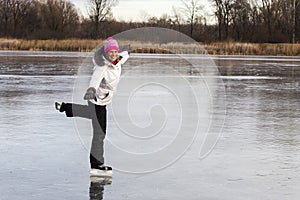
97	186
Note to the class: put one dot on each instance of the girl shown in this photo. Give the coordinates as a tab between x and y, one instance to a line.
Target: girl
103	83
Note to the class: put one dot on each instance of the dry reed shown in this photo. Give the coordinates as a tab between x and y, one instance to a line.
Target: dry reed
218	48
236	48
49	45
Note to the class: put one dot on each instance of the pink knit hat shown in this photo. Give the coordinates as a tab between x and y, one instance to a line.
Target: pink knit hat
109	44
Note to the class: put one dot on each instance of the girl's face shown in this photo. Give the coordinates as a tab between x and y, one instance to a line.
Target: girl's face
111	55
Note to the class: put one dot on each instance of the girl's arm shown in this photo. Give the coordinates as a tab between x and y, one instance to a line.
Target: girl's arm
97	76
95	81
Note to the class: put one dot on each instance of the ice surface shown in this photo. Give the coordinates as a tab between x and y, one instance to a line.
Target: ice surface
257	156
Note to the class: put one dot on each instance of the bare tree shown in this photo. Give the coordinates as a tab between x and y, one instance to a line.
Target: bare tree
192	10
31	22
294	21
12	12
288	18
271	13
99	11
219	14
177	18
240	16
5	10
60	18
223	11
296	17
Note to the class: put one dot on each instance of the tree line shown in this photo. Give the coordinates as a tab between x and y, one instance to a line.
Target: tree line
235	20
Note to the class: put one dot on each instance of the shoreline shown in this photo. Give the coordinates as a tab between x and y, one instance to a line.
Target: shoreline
216	48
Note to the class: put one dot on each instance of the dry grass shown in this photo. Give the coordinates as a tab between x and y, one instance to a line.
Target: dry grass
220	48
49	45
235	48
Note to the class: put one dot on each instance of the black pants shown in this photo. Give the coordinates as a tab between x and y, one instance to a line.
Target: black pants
98	116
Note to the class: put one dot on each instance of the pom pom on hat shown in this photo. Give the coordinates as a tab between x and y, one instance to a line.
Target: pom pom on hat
110	44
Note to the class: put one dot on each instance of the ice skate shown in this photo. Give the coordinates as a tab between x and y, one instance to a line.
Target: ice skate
57	106
101	171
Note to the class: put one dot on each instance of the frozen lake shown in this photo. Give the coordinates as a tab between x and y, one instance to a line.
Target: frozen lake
177	129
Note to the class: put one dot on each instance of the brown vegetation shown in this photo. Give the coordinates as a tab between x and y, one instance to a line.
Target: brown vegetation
234	48
220	48
49	45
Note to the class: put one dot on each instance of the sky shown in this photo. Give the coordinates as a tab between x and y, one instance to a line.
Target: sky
139	10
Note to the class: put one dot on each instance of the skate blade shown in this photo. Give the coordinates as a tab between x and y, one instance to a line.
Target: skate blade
101	180
100	173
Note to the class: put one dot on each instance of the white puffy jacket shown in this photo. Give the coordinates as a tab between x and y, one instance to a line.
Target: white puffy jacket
105	79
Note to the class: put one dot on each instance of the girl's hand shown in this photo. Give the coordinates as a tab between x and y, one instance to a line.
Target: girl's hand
90	94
